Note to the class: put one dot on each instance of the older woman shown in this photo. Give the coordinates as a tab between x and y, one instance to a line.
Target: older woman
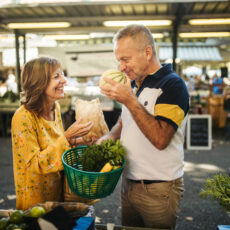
38	138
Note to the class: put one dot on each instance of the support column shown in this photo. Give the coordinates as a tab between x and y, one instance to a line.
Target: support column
176	24
18	71
175	41
24	47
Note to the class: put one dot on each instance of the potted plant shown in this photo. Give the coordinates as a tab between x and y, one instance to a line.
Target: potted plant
218	188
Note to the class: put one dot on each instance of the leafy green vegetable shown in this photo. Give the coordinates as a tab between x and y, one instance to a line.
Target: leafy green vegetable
96	156
218	188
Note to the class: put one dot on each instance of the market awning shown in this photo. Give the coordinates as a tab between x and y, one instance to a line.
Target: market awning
191	53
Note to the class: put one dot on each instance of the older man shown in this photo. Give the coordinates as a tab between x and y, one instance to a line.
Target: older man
151	128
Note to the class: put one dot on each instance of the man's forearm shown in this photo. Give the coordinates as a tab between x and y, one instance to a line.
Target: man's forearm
114	133
158	132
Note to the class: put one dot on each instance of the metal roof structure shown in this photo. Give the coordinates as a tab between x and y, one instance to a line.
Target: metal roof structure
191	53
88	16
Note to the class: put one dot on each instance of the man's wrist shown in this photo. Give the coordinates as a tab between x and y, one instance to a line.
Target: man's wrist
132	103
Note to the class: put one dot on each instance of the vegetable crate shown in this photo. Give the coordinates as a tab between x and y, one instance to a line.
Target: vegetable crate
91	185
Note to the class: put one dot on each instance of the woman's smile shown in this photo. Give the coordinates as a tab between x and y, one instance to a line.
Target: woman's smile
60	89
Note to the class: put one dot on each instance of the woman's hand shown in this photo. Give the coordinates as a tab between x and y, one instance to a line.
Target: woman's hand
78	130
92	140
76	141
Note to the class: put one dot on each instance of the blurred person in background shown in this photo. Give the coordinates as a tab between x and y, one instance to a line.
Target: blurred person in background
226	93
11	82
3	87
2	79
151	128
217	82
38	137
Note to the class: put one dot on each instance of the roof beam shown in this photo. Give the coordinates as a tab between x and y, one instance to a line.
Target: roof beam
88	29
210	16
107	3
206	28
88	19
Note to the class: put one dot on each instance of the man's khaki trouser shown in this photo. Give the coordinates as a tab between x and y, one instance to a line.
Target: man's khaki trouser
153	205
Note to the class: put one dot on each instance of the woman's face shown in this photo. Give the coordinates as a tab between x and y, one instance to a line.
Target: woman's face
55	88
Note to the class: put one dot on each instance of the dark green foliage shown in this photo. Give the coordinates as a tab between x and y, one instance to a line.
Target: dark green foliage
218	188
96	156
11	96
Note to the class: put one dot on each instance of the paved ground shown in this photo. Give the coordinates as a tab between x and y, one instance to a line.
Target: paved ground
196	213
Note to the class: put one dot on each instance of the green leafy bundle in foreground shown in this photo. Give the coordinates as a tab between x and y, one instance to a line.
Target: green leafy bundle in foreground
96	156
218	188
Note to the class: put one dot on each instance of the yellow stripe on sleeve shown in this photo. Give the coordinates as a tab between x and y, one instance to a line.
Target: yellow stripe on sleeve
172	112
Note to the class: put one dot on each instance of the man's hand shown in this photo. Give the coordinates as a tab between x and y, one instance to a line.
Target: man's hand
103	138
158	132
119	92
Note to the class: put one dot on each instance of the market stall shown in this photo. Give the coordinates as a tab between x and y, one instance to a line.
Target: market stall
215	105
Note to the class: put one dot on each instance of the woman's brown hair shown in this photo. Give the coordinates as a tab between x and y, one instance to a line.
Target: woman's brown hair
35	78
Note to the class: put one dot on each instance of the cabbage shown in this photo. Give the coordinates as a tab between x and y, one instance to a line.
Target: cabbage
115	75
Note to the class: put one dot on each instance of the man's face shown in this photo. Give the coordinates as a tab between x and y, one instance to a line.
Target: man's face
133	61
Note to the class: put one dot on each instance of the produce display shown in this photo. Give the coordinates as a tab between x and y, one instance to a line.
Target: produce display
218	188
104	157
37	212
115	75
21	220
17	219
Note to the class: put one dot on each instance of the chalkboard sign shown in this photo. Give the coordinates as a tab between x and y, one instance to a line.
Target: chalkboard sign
199	132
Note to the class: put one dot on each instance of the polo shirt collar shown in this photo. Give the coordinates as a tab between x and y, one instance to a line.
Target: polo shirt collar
163	71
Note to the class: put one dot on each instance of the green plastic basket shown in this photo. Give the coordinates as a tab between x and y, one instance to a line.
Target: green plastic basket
91	185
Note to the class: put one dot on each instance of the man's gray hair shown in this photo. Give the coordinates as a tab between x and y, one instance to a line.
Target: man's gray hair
138	33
